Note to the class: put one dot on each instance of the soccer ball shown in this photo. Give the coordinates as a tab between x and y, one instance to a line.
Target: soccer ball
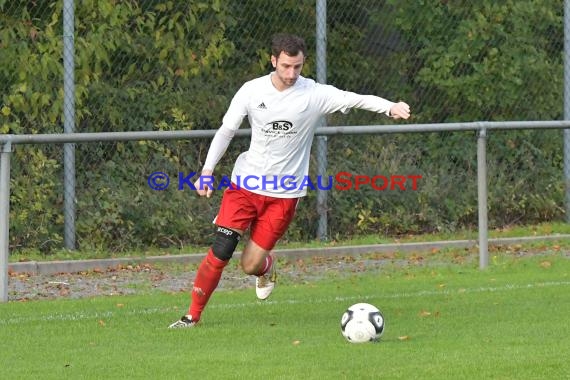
361	323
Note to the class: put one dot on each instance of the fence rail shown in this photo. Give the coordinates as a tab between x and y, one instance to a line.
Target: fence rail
8	142
55	138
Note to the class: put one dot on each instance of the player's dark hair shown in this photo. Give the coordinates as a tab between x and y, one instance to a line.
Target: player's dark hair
290	44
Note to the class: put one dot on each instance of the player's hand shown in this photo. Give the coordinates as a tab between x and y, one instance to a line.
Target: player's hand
205	184
400	110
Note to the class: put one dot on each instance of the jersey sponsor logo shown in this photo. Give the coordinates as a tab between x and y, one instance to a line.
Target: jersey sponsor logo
262	106
279	128
280	125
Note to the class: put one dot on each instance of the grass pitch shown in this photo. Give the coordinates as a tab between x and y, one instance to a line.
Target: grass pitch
443	321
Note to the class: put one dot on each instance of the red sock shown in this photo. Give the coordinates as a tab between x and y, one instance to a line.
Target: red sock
206	281
265	268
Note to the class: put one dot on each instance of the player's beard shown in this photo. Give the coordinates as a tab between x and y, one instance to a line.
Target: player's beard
290	81
282	82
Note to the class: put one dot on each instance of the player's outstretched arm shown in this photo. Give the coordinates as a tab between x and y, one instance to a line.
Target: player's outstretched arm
400	110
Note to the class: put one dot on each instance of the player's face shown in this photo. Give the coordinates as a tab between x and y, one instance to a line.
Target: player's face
287	70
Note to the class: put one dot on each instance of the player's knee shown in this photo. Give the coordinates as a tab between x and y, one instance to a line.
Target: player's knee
225	243
250	267
253	258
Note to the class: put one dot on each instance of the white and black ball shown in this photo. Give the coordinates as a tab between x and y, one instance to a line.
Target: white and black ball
362	322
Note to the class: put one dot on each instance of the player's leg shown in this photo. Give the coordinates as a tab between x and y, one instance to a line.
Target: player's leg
210	270
270	225
254	259
234	212
260	262
209	273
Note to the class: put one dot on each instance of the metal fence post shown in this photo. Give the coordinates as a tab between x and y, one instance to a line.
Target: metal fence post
69	123
566	132
322	208
482	198
5	152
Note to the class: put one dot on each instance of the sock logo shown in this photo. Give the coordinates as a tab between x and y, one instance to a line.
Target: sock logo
198	291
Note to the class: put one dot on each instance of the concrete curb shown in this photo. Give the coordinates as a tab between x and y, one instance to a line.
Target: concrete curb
75	266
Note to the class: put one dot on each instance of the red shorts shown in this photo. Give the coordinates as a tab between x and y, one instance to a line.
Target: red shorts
266	217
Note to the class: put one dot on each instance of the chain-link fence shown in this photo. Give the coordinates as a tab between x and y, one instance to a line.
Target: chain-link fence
174	65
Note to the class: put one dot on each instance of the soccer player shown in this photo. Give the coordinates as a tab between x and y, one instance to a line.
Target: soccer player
283	110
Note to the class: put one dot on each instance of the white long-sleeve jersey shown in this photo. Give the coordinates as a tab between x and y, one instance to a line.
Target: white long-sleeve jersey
282	130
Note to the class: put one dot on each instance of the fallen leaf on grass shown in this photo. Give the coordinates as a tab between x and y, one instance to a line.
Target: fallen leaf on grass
296	342
404	337
101	322
546	264
424	313
416	258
